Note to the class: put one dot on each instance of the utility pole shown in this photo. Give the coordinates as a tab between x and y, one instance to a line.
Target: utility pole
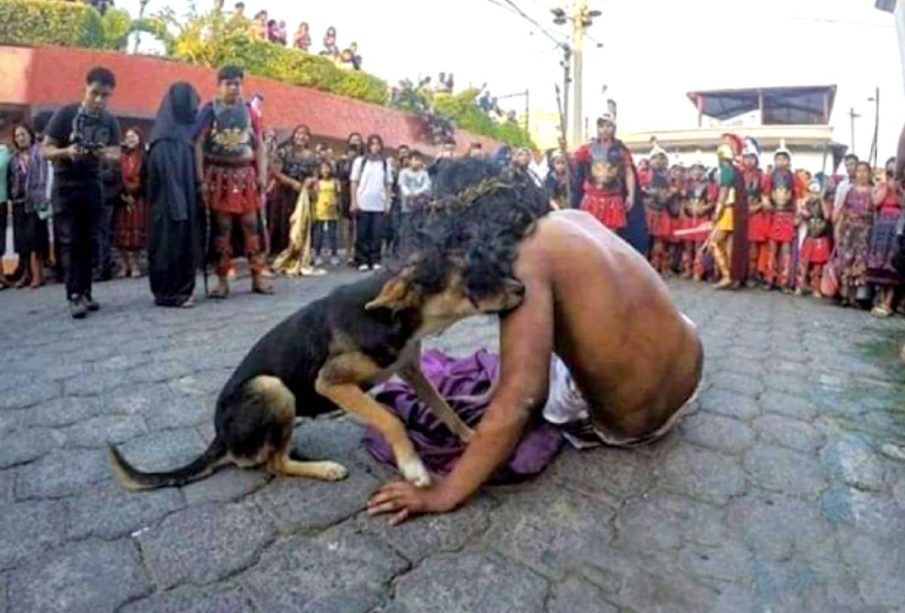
579	8
853	116
875	145
566	86
582	18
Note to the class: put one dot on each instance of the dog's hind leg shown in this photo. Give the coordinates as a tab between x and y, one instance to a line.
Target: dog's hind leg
350	397
269	411
411	374
325	471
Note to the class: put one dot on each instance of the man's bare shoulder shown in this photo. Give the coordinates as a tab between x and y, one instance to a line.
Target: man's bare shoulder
564	231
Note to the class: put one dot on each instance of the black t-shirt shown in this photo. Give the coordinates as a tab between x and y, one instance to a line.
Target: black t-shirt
68	124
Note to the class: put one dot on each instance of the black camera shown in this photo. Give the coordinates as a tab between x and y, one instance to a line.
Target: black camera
79	139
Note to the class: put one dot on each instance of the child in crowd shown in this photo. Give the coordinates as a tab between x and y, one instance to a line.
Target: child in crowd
326	214
815	214
414	183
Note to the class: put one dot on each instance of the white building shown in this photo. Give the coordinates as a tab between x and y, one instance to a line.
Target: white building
798	116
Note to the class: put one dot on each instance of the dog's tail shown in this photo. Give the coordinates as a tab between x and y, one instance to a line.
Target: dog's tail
134	479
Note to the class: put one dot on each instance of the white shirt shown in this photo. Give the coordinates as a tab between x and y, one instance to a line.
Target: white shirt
373	178
842	190
539	171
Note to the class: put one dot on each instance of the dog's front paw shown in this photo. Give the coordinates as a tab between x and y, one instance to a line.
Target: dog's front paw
331	471
415	473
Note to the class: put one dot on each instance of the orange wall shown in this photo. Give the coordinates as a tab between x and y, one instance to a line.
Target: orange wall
47	77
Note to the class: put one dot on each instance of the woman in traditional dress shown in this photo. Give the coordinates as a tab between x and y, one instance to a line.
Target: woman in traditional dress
174	251
852	231
294	165
130	218
28	194
883	245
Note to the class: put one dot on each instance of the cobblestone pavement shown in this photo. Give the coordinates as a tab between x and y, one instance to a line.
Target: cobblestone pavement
783	491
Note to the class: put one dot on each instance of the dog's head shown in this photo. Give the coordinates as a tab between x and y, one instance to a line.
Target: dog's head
454	292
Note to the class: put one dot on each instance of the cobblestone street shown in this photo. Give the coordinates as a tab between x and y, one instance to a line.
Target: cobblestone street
783	491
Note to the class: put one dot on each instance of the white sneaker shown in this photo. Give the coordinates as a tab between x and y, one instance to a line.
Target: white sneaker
363	268
334	261
318	261
378	267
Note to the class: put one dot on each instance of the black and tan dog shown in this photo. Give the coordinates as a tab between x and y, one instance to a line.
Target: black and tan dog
327	355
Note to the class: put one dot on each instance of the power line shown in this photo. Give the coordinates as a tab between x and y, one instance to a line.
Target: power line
534	22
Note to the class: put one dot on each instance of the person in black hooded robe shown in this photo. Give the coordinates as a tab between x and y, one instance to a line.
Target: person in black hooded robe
174	252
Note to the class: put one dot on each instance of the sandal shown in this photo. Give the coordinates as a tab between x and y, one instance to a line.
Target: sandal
881	312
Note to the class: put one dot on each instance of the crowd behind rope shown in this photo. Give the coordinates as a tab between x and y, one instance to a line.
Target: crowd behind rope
213	181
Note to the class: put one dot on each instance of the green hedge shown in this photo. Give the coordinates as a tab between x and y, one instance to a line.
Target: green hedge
261	58
49	22
463	111
212	40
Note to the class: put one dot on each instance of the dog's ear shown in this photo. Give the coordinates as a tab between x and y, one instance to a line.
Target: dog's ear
397	294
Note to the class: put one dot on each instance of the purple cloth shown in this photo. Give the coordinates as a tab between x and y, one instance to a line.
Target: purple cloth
465	385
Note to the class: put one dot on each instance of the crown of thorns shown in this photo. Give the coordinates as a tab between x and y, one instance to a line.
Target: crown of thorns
469	195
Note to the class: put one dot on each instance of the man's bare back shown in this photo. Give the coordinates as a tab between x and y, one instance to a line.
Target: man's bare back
635	358
597	304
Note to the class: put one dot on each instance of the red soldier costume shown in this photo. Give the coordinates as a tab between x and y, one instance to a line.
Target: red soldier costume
815	251
656	194
783	192
604	188
758	217
230	137
698	204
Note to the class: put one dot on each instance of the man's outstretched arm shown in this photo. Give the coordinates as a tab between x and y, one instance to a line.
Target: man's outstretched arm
526	345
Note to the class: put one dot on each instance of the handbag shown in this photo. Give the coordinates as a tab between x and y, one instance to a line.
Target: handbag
829	280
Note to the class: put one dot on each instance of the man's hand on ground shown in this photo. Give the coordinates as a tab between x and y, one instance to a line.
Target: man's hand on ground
403	501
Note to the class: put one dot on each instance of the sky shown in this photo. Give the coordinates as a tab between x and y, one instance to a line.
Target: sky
653	51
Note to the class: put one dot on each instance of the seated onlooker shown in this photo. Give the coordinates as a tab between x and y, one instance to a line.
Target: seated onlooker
260	24
330	47
350	57
302	37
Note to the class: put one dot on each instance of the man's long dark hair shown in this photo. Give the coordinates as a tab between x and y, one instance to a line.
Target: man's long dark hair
477	217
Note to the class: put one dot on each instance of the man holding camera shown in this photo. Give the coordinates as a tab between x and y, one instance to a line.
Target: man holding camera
78	138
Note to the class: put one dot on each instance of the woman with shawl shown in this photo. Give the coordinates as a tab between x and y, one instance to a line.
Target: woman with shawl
130	217
174	249
28	194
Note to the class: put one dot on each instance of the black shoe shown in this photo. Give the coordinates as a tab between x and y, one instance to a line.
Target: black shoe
78	308
91	304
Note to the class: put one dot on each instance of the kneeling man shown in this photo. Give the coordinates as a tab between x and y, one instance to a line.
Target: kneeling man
597	336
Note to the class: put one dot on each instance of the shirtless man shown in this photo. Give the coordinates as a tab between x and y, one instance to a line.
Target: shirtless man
596	303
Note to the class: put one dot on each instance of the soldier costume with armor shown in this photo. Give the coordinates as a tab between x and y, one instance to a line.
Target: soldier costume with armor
782	193
815	251
697	213
605	150
758	216
230	137
656	195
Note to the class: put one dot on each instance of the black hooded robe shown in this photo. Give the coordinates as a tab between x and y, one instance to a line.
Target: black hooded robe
174	242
